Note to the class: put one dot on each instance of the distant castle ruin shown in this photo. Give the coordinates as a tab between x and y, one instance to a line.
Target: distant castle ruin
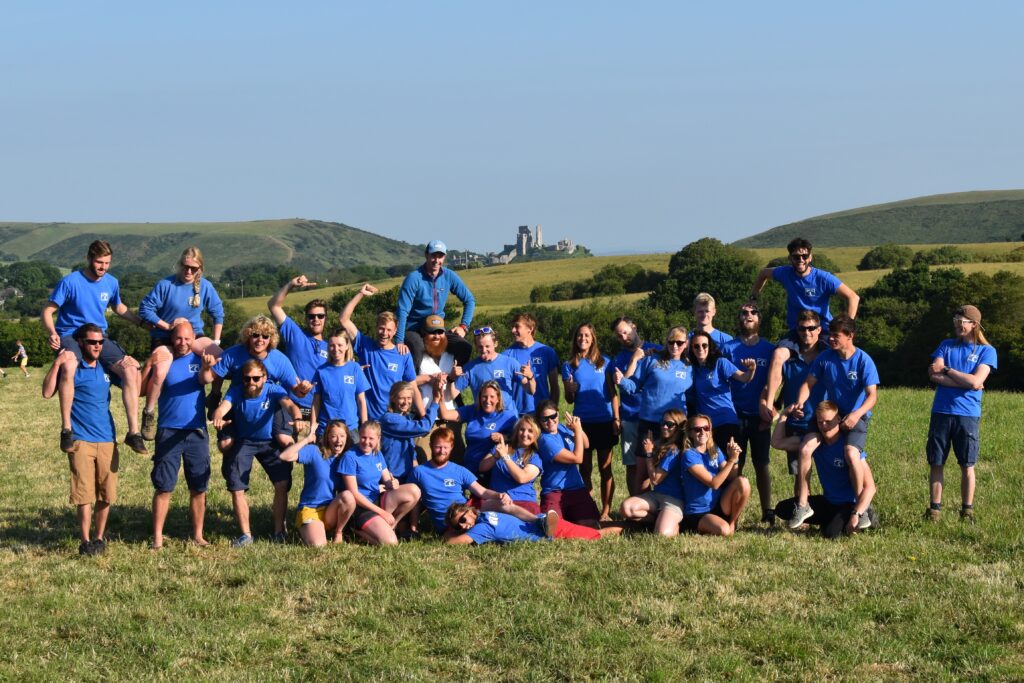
528	243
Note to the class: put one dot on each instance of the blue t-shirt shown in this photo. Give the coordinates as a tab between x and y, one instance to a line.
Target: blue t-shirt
660	385
183	397
845	380
317	483
794	374
713	394
440	487
367	469
834	473
90	411
720	338
502	370
700	498
593	397
629	404
169	299
82	301
672	484
338	387
398	434
279	369
544	360
306	353
254	417
383	367
497	527
558	476
502	481
421	296
964	358
746	396
479	427
811	292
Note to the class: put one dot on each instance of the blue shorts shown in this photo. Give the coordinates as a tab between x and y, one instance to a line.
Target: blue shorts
958	431
110	354
177	446
237	465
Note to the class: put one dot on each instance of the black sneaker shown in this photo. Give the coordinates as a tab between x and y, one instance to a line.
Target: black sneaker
148	425
85	548
99	546
133	440
67	440
768	517
279	537
967	515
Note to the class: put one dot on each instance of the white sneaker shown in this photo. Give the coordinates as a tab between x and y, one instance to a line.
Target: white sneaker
800	513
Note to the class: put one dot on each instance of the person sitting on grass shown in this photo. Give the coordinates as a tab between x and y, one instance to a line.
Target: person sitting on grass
443	483
713	489
664	504
561	450
320	512
364	474
843	507
513	472
479	527
400	428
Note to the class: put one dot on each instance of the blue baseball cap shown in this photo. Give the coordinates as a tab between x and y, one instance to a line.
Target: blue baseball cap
437	246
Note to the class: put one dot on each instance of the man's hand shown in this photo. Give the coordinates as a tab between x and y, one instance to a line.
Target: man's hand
459	330
300	281
367	289
848	423
54	341
302	388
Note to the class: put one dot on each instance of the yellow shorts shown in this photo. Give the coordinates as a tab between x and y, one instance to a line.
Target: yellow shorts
304	515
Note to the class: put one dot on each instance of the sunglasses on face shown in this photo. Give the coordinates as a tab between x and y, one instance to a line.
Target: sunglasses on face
700	346
808	328
677	342
962	321
800	257
264	337
700	428
668	424
93	342
483	330
434	333
462	519
750	311
316	316
191	269
549	418
252	379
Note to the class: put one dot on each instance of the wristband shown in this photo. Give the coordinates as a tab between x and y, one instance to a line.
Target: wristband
217	342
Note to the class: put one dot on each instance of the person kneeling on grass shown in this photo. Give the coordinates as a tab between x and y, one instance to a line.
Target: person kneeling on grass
443	483
478	527
513	472
561	450
843	508
381	502
663	505
713	489
320	511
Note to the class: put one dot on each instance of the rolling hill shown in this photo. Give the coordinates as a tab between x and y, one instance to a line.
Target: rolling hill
307	244
994	216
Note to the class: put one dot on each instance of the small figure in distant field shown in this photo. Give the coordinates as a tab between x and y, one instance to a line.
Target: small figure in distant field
959	368
714	492
662	506
93	451
704	316
634	348
424	292
847	483
21	358
541	358
497	527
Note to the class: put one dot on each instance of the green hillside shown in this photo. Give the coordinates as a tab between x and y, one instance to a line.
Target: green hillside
995	216
306	244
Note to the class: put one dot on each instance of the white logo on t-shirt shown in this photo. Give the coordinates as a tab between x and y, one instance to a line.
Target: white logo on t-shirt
104	296
106	378
810	291
193	368
839	463
852	375
680	374
538	361
492	518
492	426
973	358
498	374
762	362
449	483
265	405
393	367
323	353
350	379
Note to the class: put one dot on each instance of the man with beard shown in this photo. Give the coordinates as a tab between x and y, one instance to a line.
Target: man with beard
435	368
746	397
527	351
633	349
83	297
252	402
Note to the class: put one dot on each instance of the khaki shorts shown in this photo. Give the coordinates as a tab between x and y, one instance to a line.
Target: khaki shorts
661	501
93	472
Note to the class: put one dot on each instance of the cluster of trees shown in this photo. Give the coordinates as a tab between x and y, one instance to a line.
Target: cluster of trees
609	281
901	256
34	280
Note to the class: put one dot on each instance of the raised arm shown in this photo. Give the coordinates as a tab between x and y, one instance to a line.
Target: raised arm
346	314
762	277
291	454
575	456
276	302
746	375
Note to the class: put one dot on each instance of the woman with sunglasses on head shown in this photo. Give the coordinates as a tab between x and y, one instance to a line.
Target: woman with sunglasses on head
183	296
712	391
661	380
490	366
515	467
486	421
714	493
663	505
589	381
561	450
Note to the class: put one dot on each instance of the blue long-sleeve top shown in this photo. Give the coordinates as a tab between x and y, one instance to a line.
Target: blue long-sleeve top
660	384
398	434
421	296
169	300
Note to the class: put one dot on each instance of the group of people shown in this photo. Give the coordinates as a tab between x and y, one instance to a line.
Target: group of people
379	425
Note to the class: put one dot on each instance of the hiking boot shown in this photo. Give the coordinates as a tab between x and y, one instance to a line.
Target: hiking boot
148	425
242	541
800	513
932	515
133	440
967	515
67	440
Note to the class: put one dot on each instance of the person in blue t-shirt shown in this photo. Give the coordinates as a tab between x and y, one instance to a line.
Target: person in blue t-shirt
714	491
93	454
486	422
662	506
847	485
634	349
424	292
712	389
589	381
807	288
80	298
704	319
850	380
175	299
561	449
479	527
527	351
490	366
339	386
181	436
515	466
322	512
251	403
400	428
383	359
959	369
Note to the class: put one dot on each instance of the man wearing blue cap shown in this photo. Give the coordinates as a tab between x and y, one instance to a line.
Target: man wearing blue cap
423	293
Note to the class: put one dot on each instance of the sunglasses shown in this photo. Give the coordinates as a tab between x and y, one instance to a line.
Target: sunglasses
800	257
958	319
461	519
750	311
316	316
700	428
260	336
483	330
701	346
668	424
252	379
549	418
676	342
808	328
191	269
93	342
434	332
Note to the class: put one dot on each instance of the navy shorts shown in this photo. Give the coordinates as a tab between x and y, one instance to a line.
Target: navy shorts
958	431
237	465
283	419
691	520
793	457
177	446
111	354
858	436
600	434
758	437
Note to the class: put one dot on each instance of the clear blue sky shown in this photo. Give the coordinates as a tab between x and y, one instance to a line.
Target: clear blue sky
625	126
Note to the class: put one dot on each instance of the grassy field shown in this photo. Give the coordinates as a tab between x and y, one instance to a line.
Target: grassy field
909	601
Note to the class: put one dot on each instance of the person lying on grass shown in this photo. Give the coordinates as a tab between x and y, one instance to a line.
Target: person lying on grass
320	511
714	491
478	527
663	505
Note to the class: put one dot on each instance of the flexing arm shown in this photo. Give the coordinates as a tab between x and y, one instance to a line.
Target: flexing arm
852	299
346	313
291	454
276	303
746	375
575	456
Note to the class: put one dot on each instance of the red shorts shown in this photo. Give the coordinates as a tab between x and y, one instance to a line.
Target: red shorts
527	505
570	530
573	506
